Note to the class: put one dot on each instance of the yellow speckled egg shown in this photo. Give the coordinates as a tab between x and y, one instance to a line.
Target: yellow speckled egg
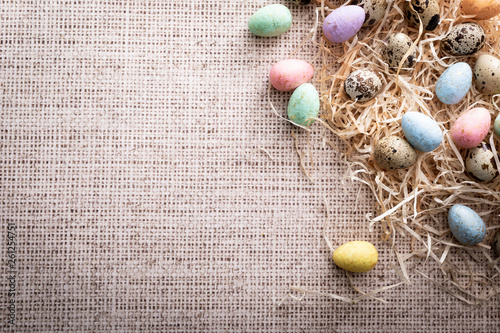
357	256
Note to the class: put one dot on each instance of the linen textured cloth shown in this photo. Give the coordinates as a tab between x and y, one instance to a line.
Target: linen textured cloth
151	188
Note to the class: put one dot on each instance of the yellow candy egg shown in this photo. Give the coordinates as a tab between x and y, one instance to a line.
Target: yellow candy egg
358	256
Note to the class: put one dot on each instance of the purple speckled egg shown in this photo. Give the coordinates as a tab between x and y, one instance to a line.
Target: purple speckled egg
343	23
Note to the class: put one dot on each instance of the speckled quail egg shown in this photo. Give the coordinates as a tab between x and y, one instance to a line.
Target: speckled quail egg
464	39
428	10
397	46
481	163
392	153
487	74
374	10
362	85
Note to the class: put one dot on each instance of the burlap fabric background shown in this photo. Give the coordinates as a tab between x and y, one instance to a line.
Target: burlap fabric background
130	165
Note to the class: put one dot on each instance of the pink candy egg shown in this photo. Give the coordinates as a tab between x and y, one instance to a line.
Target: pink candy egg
471	128
343	23
287	75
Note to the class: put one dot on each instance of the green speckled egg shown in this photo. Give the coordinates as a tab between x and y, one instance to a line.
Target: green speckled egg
304	105
392	153
496	126
270	21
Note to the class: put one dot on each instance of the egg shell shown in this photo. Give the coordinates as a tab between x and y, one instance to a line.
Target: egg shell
287	75
487	74
357	256
363	85
374	10
464	39
392	153
343	23
421	131
480	162
482	9
397	46
496	126
428	10
471	128
270	21
466	225
303	105
496	243
454	83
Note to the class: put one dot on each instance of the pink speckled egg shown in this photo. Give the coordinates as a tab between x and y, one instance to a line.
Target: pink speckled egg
343	23
287	75
471	128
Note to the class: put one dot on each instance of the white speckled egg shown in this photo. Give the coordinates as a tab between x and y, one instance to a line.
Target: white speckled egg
362	85
481	163
397	46
428	10
392	153
374	10
487	74
464	39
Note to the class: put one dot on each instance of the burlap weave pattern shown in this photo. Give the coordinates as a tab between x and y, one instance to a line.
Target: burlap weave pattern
130	166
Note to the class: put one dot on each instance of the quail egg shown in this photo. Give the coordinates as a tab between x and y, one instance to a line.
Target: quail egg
464	39
487	74
481	163
393	153
397	46
428	10
374	10
362	85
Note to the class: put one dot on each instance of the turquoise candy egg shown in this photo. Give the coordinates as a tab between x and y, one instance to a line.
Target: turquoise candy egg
496	126
454	83
421	131
270	21
466	225
304	105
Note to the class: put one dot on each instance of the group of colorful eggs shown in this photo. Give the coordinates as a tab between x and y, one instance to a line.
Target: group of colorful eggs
421	131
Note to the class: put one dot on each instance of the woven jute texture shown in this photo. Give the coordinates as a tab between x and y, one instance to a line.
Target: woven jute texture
135	177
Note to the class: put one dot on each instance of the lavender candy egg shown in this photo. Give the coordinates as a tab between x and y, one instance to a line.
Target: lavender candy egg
343	23
466	225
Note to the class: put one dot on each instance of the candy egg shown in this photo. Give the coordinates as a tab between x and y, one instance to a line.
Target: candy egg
304	105
343	23
471	128
496	243
287	75
421	131
374	10
362	85
481	163
397	46
270	21
454	83
496	126
428	10
464	39
487	74
393	153
466	225
357	256
482	9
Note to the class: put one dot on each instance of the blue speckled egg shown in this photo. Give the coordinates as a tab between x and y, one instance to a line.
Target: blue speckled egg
454	83
421	131
303	105
466	225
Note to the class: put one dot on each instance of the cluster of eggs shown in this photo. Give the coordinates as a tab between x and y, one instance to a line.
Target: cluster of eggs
421	132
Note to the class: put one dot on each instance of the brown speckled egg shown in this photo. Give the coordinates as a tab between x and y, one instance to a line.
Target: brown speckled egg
481	163
362	85
428	10
397	46
392	153
496	243
464	39
487	74
374	10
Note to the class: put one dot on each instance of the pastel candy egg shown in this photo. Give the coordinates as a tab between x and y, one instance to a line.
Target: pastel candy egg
464	39
270	21
304	105
343	23
427	10
392	153
287	75
454	83
496	126
362	85
357	256
487	74
374	10
471	128
421	131
480	162
466	225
